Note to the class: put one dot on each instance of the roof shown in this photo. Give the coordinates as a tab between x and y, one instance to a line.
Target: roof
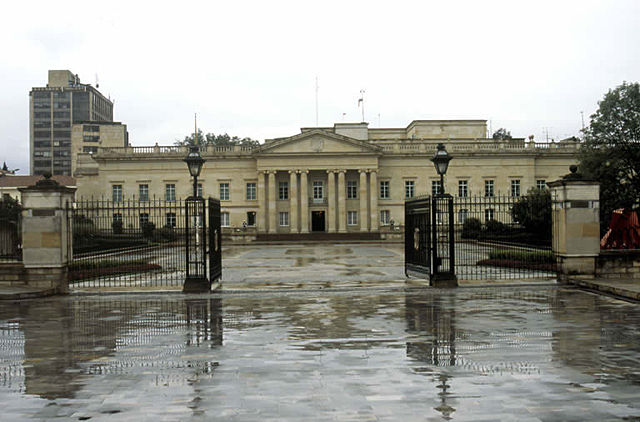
24	181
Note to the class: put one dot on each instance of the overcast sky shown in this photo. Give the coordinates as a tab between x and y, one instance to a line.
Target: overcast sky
249	68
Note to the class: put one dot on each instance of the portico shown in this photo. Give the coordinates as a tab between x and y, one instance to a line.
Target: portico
346	197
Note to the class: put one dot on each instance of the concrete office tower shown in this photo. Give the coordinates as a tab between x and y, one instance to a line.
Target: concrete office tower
52	112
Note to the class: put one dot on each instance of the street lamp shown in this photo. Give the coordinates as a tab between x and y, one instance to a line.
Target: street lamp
441	162
195	247
194	162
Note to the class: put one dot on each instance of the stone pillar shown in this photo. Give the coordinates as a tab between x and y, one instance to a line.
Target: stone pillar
46	244
304	202
373	193
363	201
293	201
272	202
262	204
331	206
342	202
576	224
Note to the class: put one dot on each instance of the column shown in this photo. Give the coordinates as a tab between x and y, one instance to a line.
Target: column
331	193
293	201
342	203
375	218
272	201
304	202
363	200
262	204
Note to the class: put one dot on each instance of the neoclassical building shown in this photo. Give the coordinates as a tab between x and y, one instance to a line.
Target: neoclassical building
348	178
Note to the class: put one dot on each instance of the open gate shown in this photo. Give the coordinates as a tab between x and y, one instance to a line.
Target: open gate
142	244
429	237
476	238
215	241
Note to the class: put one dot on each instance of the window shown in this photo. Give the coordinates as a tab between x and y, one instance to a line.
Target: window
284	219
283	191
318	189
199	190
117	217
384	189
409	188
144	218
224	191
488	214
251	192
385	217
170	220
462	215
352	189
251	218
170	192
463	188
116	190
352	218
488	188
515	187
224	219
143	192
435	187
90	150
541	184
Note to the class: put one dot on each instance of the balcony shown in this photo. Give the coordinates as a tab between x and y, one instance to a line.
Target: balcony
317	201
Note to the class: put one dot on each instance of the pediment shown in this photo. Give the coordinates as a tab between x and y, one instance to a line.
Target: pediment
318	142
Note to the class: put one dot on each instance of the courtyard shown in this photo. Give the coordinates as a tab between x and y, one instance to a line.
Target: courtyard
323	332
527	354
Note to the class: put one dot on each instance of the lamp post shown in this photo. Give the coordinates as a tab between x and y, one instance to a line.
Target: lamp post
441	162
194	162
443	249
195	248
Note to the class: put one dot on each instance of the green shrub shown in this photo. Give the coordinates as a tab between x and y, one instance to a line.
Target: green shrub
495	226
471	228
165	234
147	229
117	227
538	257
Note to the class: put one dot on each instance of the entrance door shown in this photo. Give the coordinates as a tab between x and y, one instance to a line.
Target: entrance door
317	221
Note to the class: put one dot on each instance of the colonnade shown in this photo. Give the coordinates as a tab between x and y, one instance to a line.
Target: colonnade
333	203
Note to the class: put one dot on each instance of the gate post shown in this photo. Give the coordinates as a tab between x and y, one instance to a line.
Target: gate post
195	247
444	271
46	250
576	224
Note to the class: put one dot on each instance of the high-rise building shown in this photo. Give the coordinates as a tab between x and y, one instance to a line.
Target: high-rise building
52	112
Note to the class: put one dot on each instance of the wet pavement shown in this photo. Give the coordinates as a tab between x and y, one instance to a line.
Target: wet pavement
471	354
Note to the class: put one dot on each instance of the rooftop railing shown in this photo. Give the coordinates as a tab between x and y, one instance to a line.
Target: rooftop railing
393	147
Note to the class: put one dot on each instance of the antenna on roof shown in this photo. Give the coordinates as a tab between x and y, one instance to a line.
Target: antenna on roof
317	100
97	84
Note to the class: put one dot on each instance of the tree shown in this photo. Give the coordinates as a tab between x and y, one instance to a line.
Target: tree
502	134
217	140
10	209
533	211
610	153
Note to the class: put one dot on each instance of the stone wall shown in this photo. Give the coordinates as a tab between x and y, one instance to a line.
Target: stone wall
619	264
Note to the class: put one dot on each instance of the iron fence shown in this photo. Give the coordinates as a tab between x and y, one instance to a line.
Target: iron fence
10	239
503	237
128	243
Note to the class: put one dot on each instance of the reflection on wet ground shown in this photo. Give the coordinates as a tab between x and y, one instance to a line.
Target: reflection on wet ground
471	354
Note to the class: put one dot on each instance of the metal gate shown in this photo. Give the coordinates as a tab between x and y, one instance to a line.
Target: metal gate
139	244
417	238
429	237
478	238
215	241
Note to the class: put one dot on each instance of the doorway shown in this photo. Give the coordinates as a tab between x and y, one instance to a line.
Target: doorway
317	221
